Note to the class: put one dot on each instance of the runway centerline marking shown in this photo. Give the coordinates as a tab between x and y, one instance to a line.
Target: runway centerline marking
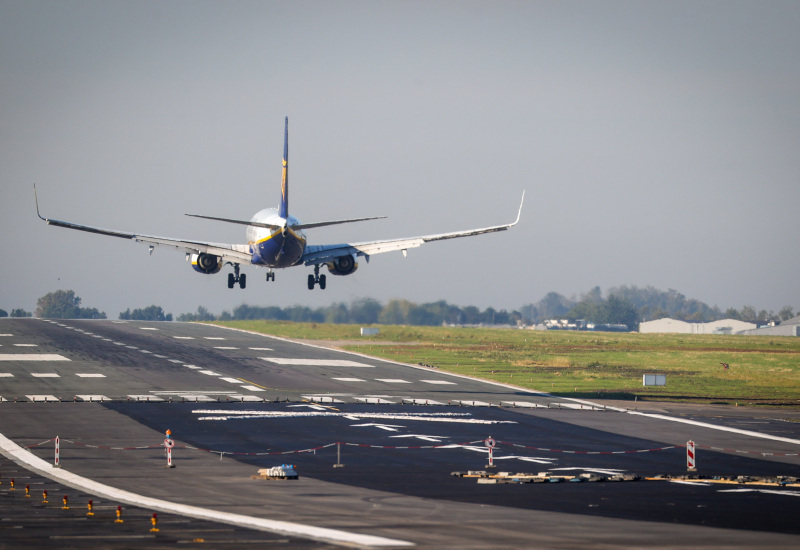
45	375
90	375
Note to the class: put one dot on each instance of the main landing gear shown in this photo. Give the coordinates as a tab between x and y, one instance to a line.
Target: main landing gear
234	278
315	279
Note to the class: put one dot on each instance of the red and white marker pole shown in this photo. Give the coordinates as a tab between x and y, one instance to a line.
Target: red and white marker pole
490	443
690	457
168	444
58	460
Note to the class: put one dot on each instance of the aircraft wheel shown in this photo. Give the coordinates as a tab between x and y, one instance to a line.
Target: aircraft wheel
322	282
310	282
230	280
242	280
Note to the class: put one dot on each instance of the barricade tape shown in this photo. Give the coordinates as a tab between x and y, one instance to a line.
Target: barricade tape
415	447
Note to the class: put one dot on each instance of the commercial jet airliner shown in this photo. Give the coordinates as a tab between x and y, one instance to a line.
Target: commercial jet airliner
276	240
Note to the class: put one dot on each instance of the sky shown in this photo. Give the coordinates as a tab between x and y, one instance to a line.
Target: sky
657	143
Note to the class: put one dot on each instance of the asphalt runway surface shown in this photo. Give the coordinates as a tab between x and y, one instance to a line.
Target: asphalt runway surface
236	402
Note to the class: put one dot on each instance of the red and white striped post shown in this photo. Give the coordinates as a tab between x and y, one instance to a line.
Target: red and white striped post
690	457
168	444
490	443
58	459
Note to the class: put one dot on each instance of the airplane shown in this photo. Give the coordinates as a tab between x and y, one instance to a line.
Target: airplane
277	240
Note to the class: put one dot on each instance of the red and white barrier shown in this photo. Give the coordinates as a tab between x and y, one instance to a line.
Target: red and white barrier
58	459
690	457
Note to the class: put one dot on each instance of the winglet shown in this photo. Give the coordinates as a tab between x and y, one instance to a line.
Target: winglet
520	208
283	210
36	198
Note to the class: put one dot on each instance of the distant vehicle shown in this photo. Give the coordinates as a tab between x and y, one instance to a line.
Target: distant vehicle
276	240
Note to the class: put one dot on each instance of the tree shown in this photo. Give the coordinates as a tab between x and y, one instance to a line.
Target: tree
150	313
3	313
786	313
19	312
64	304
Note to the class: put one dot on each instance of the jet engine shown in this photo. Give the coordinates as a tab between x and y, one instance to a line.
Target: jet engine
343	265
206	263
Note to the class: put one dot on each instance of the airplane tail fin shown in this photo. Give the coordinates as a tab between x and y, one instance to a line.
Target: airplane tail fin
283	210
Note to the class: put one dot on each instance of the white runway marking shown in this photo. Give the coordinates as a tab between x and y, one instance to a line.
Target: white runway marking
253	388
148	328
130	347
195	367
46	398
144	398
717	427
177	361
349	379
322	399
6	375
93	398
32	357
245	398
261	349
6	335
316	362
224	347
457	418
417	401
209	372
232	380
213	338
133	499
90	375
765	491
184	337
525	404
26	345
441	382
393	380
375	400
145	351
45	375
159	356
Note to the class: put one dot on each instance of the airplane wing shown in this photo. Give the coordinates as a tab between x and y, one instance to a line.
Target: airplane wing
320	254
229	252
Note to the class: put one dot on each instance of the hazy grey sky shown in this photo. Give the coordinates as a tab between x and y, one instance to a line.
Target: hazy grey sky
659	144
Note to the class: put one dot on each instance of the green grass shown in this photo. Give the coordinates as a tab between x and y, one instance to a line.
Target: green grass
763	370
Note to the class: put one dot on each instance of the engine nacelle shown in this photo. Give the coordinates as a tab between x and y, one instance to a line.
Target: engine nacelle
206	263
343	265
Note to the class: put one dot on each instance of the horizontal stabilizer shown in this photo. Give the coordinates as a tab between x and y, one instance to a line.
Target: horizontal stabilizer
279	228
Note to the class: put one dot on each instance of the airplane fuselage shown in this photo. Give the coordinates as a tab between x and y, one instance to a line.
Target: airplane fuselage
273	247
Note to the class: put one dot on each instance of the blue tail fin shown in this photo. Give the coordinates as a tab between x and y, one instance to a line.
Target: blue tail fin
283	211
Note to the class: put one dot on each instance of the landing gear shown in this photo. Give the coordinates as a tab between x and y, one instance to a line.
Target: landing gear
234	278
315	279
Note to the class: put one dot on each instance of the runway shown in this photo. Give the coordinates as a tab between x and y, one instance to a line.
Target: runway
237	401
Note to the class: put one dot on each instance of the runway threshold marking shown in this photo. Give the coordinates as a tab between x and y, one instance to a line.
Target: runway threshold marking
32	357
38	465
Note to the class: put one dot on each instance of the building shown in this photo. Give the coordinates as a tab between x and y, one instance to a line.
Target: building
724	326
790	327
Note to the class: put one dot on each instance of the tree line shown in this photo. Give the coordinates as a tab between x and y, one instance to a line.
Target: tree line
623	305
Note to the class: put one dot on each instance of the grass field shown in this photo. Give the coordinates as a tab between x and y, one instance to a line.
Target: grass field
763	370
